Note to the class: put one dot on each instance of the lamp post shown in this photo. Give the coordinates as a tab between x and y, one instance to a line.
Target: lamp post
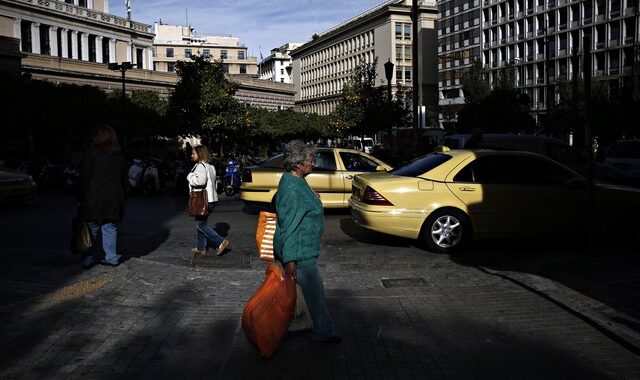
388	73
123	67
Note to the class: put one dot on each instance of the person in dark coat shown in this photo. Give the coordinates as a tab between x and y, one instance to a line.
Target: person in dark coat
103	183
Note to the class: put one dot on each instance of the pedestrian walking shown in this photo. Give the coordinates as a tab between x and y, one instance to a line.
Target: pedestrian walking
298	235
102	190
202	177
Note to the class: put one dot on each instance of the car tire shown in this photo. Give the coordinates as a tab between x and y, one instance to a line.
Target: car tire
446	231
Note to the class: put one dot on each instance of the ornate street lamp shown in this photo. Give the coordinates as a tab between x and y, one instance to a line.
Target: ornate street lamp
123	67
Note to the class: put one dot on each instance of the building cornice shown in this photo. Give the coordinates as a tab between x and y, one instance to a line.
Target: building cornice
79	14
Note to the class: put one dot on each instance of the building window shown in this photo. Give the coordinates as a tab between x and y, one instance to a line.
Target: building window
139	58
223	54
82	3
69	44
25	31
225	68
79	38
241	55
171	67
206	53
399	75
281	71
45	48
243	69
169	52
398	31
407	31
153	52
399	52
187	53
105	50
403	31
92	48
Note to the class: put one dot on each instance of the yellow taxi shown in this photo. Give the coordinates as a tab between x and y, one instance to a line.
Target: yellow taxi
16	186
448	198
333	171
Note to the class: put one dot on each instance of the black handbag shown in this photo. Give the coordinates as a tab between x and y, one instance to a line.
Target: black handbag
198	203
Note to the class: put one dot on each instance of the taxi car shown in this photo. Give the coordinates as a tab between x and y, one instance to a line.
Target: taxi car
16	186
448	198
333	171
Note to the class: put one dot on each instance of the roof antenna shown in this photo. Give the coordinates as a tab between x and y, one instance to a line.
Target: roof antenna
186	16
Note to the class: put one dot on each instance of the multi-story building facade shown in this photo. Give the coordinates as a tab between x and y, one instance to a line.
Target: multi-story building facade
277	66
72	41
322	66
540	39
173	43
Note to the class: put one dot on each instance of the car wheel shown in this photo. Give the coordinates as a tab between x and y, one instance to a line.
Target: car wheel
446	231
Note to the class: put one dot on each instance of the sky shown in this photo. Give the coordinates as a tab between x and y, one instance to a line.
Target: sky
261	25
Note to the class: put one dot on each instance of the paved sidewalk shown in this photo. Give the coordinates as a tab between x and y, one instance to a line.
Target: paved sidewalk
404	316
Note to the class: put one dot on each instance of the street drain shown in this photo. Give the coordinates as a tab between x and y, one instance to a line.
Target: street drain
403	282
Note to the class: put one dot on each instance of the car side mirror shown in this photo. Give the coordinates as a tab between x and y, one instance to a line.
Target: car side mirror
380	168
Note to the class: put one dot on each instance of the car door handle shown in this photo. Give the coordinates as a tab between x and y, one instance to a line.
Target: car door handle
348	176
463	188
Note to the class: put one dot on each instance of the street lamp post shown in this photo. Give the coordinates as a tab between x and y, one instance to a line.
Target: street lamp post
123	67
388	73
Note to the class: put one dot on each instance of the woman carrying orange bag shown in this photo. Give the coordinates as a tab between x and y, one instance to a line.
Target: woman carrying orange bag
299	233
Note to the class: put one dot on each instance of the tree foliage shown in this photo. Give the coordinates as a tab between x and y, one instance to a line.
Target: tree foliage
498	110
365	109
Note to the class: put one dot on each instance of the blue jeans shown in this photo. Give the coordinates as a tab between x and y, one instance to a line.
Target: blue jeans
109	239
206	234
310	281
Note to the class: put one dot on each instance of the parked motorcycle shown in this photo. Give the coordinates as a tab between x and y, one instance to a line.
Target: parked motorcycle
232	177
144	177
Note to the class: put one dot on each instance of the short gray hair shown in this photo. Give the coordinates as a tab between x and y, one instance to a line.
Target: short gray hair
295	153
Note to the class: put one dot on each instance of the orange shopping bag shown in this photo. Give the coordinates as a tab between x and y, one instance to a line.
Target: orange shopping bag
264	235
267	314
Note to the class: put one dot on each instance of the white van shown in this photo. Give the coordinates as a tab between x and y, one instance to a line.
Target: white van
365	145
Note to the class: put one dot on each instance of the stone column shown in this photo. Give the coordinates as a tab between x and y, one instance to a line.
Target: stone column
112	51
35	37
129	48
74	44
17	31
149	65
99	49
85	46
64	43
53	41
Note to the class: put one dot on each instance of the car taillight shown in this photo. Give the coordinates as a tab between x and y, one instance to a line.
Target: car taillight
372	197
247	176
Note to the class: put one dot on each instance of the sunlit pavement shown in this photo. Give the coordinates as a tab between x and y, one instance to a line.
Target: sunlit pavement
503	310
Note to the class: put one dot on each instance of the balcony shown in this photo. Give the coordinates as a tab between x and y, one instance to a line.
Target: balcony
628	40
540	32
599	73
562	26
530	58
614	71
599	45
613	43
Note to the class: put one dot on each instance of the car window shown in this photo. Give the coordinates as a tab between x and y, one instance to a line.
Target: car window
324	161
422	165
354	162
273	162
514	170
624	149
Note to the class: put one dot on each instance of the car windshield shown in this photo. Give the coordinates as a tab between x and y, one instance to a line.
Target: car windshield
625	149
422	165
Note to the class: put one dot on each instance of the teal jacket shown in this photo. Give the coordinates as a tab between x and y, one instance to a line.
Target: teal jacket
300	222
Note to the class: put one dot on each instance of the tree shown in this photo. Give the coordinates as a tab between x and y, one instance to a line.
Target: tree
202	103
364	109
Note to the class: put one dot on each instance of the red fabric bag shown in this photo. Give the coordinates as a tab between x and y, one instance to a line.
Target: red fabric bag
269	311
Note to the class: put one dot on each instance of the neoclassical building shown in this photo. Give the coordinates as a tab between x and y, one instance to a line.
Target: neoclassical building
73	41
323	65
173	43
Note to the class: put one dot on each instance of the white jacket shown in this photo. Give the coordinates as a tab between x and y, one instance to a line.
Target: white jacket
203	174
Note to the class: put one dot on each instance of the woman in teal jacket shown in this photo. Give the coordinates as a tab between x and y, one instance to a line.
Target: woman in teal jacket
299	233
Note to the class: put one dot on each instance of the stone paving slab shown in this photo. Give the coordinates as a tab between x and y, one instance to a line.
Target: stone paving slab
157	320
